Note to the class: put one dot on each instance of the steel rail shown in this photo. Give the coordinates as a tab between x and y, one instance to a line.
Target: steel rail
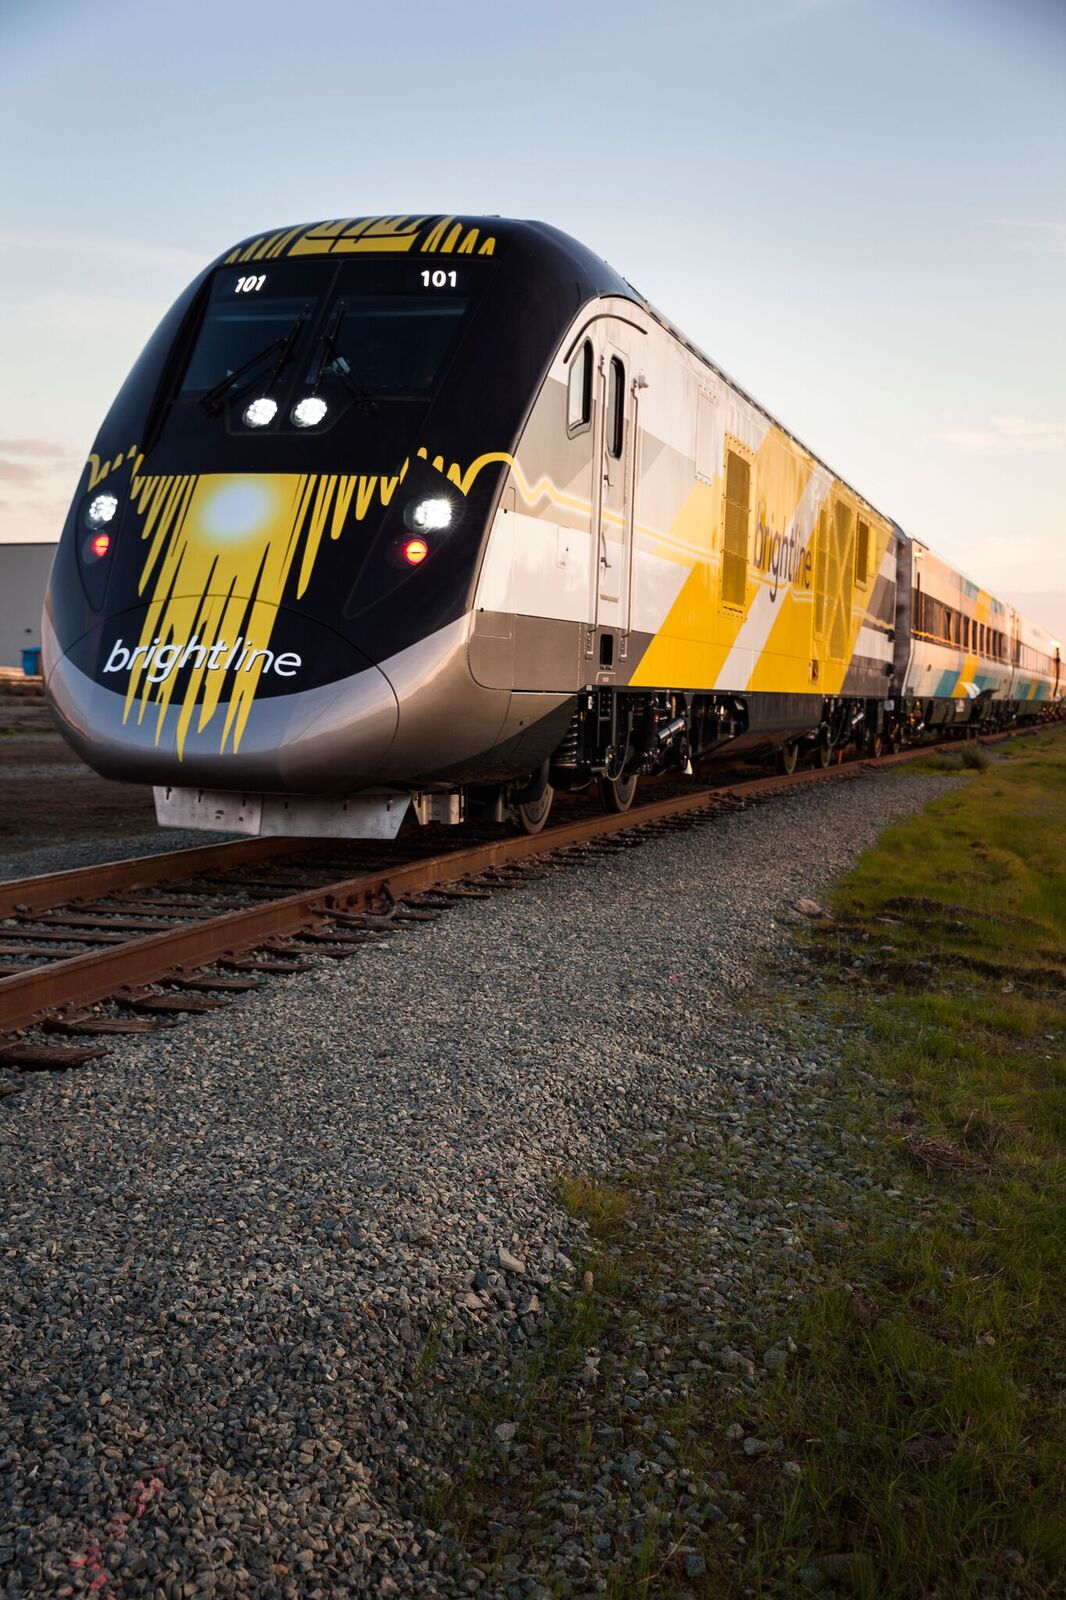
65	888
25	998
116	969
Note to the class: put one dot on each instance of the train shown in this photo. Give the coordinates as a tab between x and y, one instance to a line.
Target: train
438	516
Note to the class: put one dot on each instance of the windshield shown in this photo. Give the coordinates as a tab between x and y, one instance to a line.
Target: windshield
393	344
340	331
235	331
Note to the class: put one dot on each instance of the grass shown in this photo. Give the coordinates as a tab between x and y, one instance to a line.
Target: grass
952	1384
922	1412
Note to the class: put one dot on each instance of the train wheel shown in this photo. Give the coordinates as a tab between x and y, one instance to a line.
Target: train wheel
875	745
532	817
616	794
823	753
787	757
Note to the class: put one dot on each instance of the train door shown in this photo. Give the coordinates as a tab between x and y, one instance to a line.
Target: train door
616	447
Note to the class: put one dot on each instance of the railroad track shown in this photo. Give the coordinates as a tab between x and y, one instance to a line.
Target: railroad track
133	945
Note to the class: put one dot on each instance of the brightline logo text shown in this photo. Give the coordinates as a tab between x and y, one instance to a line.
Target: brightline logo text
161	660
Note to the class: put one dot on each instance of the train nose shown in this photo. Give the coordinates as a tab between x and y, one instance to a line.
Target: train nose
288	706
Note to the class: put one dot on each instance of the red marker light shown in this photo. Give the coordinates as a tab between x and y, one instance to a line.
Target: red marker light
100	545
415	550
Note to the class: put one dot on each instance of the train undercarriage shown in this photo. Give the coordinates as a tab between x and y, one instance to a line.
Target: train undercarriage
615	738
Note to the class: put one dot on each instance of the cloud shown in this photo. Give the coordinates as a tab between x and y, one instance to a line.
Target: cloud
32	521
798	10
115	251
1008	436
18	472
38	449
120	320
1043	238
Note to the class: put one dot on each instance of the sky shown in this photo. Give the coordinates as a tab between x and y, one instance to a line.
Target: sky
856	207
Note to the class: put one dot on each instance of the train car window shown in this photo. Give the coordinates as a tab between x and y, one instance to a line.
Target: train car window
862	552
737	516
579	390
841	578
706	455
616	407
821	572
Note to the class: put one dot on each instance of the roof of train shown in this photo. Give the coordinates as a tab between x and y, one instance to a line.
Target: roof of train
450	234
489	236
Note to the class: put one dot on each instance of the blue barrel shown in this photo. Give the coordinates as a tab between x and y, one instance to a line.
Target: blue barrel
31	661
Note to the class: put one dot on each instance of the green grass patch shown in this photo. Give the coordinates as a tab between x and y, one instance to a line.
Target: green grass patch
951	1386
911	1439
601	1206
968	758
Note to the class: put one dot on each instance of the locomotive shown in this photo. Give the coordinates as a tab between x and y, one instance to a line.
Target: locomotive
438	512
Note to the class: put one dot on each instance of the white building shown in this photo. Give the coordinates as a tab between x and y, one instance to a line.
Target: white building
24	570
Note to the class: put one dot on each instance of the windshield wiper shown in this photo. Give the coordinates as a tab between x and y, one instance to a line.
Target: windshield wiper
212	400
332	358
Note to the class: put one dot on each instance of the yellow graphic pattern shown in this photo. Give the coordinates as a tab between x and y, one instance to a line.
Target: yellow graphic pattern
369	235
808	637
220	552
99	470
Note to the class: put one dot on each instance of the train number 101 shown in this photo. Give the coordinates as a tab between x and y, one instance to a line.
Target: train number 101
440	279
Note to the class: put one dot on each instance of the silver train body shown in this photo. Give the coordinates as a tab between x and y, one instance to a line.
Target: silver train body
441	512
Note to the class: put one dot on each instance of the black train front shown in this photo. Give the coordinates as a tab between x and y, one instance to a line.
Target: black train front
441	509
263	583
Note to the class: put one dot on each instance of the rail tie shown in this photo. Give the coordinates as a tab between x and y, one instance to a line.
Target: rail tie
275	934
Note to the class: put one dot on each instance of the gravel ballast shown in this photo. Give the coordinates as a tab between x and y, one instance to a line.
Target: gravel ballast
228	1248
73	853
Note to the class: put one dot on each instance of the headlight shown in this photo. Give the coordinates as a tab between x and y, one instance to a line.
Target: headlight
101	510
309	412
260	412
430	516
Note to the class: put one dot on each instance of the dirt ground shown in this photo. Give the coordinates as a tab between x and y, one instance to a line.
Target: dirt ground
47	794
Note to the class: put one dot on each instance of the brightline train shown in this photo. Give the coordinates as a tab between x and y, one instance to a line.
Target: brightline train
439	512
